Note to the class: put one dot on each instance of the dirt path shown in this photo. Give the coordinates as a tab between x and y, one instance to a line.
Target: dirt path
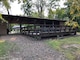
31	49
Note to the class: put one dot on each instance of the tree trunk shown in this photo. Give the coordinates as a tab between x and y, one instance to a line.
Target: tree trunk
8	11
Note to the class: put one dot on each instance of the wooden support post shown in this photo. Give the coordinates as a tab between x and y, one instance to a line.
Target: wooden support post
75	33
65	28
60	36
20	28
28	29
35	29
8	28
44	23
60	29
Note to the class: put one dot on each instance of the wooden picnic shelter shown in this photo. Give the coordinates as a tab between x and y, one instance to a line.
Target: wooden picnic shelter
40	27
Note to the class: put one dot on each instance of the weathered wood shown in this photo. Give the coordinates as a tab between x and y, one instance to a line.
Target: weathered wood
48	30
39	27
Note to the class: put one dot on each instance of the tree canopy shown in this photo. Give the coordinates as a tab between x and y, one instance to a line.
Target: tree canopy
6	4
38	7
73	11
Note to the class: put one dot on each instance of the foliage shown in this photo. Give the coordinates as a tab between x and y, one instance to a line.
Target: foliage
7	6
73	24
73	10
4	47
51	14
60	45
60	13
38	6
1	18
35	14
52	4
27	7
5	3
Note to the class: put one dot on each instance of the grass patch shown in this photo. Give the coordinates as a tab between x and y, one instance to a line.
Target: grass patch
5	47
66	46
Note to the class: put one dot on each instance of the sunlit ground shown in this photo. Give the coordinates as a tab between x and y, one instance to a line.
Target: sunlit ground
70	47
5	48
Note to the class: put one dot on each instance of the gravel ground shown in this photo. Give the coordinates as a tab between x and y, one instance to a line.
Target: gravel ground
31	49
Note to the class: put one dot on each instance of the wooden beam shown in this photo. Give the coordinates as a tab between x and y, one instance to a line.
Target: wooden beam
20	28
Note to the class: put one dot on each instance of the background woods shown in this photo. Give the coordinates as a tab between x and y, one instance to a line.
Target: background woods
47	9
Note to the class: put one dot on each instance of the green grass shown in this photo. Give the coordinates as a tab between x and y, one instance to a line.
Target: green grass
70	52
5	47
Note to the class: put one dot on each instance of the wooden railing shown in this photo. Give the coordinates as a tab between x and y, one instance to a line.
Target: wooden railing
46	29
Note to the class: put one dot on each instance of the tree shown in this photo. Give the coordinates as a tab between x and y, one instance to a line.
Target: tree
1	18
6	4
51	14
35	14
52	4
27	7
73	8
60	13
39	6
